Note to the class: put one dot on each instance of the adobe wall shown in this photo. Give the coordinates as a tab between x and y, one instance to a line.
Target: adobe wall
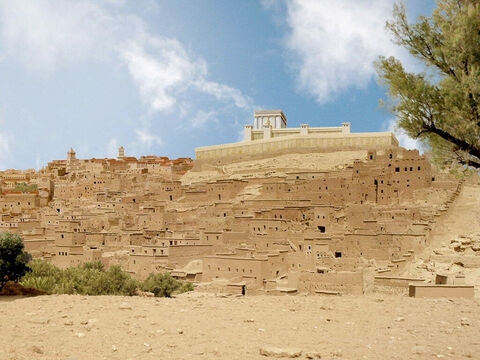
248	150
343	282
450	291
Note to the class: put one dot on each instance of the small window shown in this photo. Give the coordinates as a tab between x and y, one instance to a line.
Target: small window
397	169
338	254
321	228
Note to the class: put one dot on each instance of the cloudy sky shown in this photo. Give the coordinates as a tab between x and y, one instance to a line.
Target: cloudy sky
163	77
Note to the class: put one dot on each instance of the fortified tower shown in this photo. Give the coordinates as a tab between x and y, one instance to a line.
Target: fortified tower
121	153
71	156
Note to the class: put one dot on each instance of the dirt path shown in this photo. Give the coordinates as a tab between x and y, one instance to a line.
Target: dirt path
463	216
193	327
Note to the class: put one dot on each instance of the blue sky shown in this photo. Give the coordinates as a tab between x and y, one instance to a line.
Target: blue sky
163	77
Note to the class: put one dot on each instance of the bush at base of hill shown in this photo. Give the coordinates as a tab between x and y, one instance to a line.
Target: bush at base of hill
92	279
164	285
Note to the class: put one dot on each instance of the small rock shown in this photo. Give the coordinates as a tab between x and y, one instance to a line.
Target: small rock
400	319
419	350
249	320
114	348
144	293
80	335
36	349
313	355
68	323
280	353
40	321
125	306
180	331
261	330
464	322
337	353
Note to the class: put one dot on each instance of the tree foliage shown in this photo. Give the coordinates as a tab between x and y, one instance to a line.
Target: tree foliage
441	106
24	187
13	260
93	279
86	279
164	285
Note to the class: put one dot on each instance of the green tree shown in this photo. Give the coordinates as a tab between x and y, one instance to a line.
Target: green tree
13	260
164	285
440	106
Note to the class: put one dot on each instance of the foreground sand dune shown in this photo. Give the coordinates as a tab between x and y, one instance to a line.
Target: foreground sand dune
209	327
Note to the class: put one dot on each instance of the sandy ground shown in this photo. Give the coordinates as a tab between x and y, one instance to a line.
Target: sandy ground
209	327
461	220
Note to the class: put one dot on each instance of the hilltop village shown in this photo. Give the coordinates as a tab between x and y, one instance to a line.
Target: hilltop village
316	210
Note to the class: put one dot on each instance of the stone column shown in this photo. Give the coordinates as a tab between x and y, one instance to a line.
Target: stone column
247	133
304	129
267	131
346	128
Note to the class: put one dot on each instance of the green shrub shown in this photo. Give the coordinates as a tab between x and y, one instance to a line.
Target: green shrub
164	285
43	276
85	279
24	187
92	279
13	260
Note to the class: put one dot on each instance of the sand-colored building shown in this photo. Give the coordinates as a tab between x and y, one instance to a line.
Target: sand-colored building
272	213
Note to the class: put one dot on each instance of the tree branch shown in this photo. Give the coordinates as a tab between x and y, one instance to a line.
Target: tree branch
461	144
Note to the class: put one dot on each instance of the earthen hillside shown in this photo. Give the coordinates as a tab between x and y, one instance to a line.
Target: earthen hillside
322	222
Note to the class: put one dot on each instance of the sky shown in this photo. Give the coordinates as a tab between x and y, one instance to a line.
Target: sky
161	77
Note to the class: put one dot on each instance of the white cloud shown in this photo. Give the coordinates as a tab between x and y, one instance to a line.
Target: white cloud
47	34
404	140
147	140
333	43
160	74
225	93
44	33
163	71
202	117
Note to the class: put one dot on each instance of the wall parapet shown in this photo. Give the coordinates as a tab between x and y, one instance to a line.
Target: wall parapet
294	143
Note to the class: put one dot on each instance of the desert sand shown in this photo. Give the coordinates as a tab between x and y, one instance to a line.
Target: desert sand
203	326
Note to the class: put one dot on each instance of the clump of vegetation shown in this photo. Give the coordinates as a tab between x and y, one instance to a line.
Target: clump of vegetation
87	279
164	285
441	105
24	187
93	279
13	260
